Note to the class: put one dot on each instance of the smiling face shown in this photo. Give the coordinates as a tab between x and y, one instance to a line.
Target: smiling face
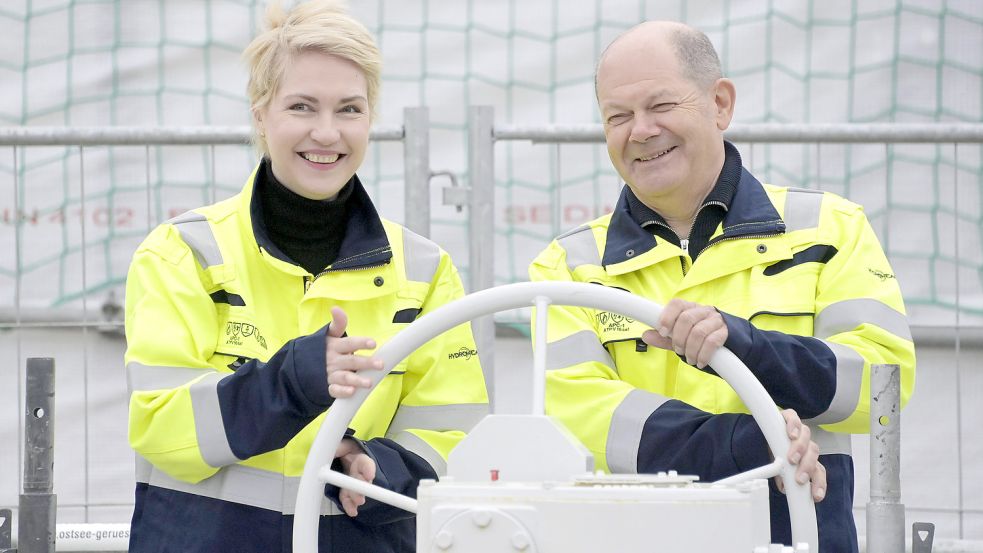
664	130
316	125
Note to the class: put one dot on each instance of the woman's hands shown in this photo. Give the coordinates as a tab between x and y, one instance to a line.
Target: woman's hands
343	365
358	465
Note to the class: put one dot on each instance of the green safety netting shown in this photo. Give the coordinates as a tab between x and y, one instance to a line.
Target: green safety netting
176	63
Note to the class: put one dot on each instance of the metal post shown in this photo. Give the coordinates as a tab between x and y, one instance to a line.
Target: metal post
6	523
481	227
416	160
36	523
885	512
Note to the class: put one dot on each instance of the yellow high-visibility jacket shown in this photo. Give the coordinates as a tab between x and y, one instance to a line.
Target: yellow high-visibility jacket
809	300
226	371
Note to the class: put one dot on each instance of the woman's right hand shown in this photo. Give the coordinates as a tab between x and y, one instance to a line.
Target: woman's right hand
343	365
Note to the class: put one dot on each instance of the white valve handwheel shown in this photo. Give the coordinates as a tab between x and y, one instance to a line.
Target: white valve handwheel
311	490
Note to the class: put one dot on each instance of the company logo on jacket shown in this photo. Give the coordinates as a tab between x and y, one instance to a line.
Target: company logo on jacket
613	322
236	331
465	352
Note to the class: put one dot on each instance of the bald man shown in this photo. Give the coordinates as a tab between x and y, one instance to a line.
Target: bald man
794	282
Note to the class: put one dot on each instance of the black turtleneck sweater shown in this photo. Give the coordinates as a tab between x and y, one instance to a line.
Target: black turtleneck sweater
308	231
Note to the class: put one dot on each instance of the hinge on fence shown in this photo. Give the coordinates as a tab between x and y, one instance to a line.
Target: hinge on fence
922	534
455	194
6	523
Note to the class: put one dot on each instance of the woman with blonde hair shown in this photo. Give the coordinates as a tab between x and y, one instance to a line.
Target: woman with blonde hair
245	318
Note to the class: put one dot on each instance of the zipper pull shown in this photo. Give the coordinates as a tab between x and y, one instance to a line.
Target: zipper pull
307	283
684	244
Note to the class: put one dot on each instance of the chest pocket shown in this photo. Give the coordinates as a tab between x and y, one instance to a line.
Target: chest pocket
782	296
407	307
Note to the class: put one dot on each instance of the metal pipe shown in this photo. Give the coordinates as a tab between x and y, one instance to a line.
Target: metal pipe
841	133
416	159
481	227
129	136
36	520
832	133
885	512
539	356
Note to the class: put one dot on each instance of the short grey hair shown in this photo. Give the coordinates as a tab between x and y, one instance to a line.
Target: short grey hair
697	57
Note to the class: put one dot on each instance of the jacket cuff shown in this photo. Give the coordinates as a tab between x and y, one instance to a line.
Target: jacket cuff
396	469
739	338
310	353
748	446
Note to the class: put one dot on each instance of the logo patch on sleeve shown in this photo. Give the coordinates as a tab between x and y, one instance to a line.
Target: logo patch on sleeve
613	322
236	332
465	353
880	274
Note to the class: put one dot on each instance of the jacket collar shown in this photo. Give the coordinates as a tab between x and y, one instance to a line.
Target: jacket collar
365	243
750	213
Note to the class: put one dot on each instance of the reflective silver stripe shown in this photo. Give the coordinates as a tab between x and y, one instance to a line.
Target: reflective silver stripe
849	375
420	256
198	235
418	445
485	343
212	441
579	347
140	377
243	485
830	442
440	418
802	208
581	247
143	469
844	316
625	434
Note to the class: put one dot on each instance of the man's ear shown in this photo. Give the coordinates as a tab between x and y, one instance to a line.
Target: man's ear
725	96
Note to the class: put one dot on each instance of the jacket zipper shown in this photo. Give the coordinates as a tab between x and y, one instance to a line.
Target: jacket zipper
362	268
309	280
684	242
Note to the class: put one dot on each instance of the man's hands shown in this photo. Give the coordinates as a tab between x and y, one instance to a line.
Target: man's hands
342	363
696	332
804	453
692	330
356	464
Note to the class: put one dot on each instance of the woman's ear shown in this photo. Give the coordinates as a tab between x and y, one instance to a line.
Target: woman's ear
258	121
